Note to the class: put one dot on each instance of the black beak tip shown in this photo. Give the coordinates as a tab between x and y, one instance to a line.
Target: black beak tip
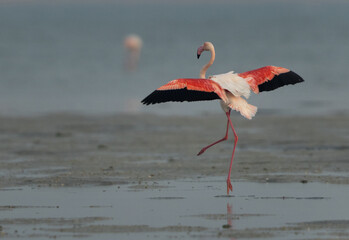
198	55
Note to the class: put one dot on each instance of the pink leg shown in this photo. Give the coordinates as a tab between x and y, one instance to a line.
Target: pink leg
229	186
221	140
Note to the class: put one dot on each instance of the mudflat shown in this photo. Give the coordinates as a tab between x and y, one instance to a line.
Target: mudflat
76	150
147	155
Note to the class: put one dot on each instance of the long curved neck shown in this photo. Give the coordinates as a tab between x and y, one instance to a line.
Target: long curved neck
204	68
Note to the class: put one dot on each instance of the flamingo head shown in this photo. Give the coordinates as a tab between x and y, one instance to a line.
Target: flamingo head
133	42
207	46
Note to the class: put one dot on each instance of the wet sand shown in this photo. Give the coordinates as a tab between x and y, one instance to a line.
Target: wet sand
136	151
72	150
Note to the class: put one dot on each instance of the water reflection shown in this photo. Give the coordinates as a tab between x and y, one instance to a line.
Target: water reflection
230	217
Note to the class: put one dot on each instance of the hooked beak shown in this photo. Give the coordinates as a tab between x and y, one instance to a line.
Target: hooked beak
199	51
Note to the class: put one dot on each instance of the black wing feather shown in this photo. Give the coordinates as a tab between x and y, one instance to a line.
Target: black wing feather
280	80
178	95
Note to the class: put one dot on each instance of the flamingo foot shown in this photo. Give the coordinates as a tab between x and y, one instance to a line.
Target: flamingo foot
229	186
202	151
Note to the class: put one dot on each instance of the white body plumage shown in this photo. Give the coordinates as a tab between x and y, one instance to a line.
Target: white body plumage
233	83
235	87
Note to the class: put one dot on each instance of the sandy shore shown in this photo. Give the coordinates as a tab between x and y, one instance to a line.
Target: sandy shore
74	150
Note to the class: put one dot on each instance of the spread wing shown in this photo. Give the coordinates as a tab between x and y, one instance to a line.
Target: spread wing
269	78
186	89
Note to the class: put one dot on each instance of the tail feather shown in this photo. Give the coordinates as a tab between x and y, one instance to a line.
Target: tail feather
240	105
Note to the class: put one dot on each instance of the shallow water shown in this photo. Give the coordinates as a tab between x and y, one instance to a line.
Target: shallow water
68	56
187	209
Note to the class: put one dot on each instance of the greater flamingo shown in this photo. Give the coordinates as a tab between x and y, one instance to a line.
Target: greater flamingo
133	44
229	87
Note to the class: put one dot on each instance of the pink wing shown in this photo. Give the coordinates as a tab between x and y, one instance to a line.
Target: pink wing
269	78
186	89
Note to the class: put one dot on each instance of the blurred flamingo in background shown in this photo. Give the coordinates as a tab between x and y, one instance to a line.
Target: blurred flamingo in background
133	44
229	87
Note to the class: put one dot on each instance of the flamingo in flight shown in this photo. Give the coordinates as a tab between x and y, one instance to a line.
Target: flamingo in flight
231	88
